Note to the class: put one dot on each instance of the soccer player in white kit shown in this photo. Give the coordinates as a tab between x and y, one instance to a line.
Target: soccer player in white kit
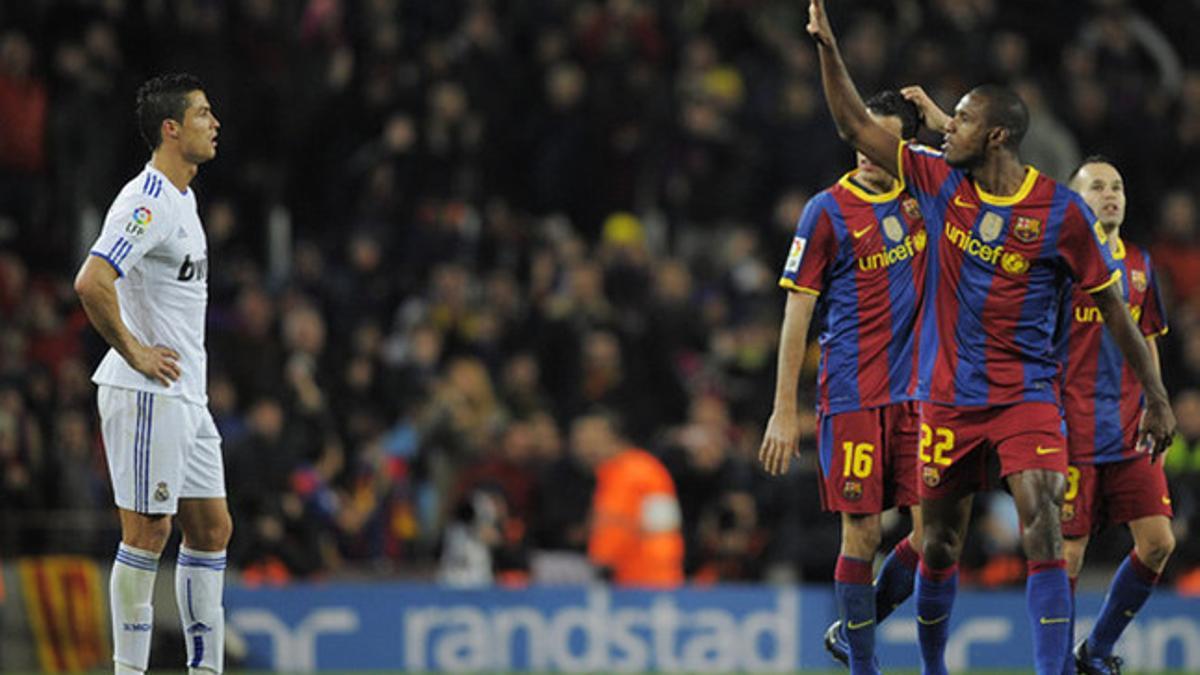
145	289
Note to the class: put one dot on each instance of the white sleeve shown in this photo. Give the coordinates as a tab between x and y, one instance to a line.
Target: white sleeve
135	224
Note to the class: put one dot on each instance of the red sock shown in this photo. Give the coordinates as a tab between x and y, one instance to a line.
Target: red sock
1144	573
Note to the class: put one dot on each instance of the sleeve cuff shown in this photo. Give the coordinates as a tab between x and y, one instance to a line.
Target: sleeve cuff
1158	333
793	286
1116	276
109	260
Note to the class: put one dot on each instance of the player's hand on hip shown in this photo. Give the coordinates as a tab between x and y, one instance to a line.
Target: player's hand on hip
158	363
933	116
818	23
781	441
1157	429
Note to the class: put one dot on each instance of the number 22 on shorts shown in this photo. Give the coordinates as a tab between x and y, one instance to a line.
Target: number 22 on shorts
945	443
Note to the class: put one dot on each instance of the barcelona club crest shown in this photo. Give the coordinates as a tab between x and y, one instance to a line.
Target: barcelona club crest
1138	279
852	490
911	208
1027	229
931	476
1068	512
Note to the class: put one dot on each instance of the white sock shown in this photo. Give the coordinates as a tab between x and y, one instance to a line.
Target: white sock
199	588
130	591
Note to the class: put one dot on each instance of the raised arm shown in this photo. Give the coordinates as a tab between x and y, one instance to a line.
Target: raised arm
1158	422
934	117
854	123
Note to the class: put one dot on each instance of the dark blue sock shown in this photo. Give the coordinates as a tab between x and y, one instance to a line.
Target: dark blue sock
1069	660
935	598
1048	598
1129	590
895	581
856	605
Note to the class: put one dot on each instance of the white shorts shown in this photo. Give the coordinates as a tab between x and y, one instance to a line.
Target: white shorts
160	449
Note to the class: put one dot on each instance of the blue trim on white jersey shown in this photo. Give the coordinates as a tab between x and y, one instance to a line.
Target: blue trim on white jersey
152	187
115	266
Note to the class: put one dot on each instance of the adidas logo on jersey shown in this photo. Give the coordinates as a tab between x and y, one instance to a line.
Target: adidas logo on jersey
193	271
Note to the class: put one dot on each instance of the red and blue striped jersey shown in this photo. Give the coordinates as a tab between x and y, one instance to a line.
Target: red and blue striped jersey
862	253
996	270
1102	397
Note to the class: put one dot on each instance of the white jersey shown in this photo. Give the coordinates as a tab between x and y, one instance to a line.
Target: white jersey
153	238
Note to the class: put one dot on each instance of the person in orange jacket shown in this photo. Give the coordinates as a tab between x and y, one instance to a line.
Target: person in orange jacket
635	537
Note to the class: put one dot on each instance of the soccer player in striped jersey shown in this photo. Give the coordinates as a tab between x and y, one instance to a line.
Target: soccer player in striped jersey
1003	241
856	261
1109	480
145	289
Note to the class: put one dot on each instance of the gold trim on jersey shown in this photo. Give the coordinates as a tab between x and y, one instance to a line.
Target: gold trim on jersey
857	191
1116	276
986	197
793	286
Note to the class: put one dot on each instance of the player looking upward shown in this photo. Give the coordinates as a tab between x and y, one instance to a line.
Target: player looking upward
1109	481
1003	242
856	259
145	289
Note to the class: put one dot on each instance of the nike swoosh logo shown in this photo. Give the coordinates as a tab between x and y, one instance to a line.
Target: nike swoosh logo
855	626
1046	451
1130	614
1048	622
958	201
932	622
859	234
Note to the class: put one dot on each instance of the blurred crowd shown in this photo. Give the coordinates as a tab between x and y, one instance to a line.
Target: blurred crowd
440	230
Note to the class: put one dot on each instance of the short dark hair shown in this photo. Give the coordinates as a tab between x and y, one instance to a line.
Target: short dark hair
1005	110
890	103
163	97
1090	159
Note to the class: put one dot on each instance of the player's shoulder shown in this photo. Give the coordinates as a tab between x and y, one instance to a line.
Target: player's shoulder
140	203
1136	253
146	190
147	185
924	150
831	196
1064	191
1070	203
1138	249
817	205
